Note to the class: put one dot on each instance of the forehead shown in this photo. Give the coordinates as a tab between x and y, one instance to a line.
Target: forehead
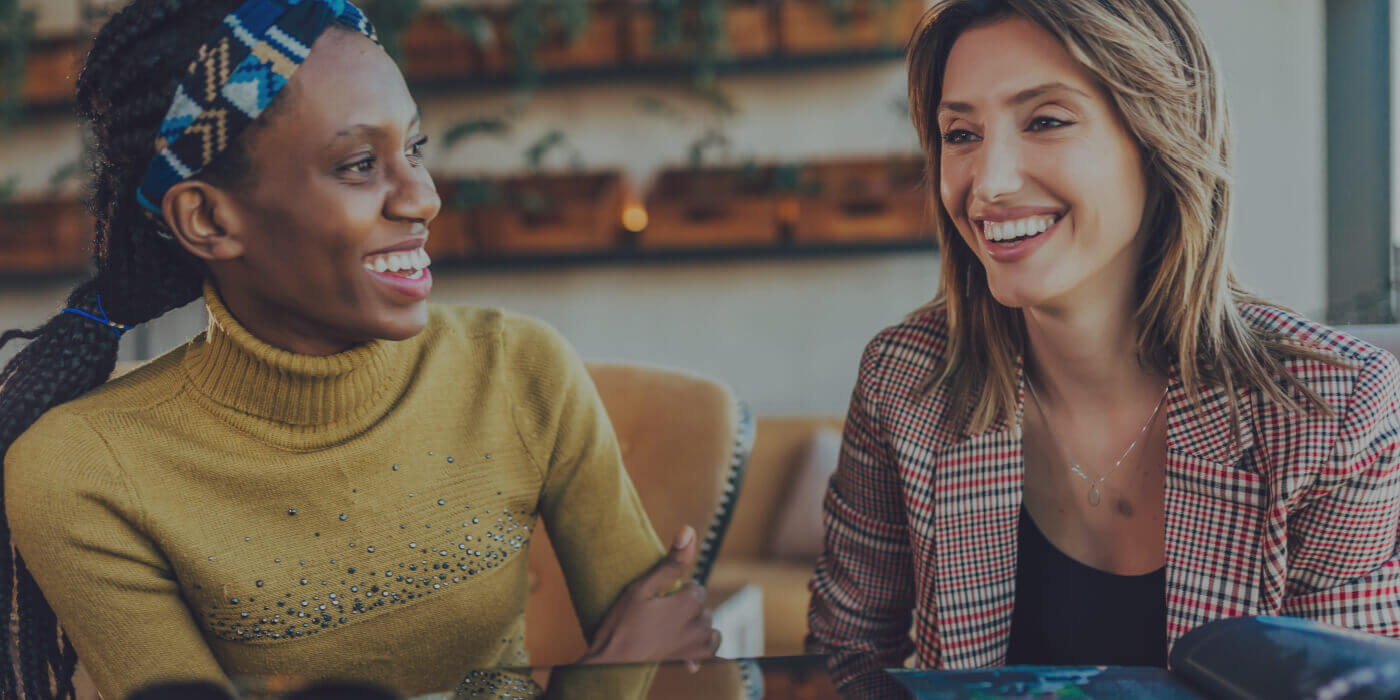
990	63
347	79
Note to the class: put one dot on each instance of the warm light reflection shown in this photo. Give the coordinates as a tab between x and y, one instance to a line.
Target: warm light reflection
634	218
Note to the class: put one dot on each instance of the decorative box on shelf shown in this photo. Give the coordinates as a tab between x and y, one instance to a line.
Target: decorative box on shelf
552	214
713	208
748	32
452	235
863	200
51	74
433	48
814	27
593	44
44	236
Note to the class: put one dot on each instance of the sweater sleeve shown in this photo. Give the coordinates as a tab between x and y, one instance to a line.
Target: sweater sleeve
595	519
75	520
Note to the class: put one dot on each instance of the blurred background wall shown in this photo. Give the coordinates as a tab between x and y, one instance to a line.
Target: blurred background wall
786	332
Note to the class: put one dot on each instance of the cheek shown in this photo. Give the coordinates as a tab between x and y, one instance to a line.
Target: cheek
952	187
1107	187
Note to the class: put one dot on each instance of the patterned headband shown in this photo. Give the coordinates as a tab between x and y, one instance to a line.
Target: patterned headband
233	78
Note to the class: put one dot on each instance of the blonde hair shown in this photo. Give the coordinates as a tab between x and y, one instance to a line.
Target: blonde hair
1152	59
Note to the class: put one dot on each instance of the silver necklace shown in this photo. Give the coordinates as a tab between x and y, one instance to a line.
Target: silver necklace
1094	494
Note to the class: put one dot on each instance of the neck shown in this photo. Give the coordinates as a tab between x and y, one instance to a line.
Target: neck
1087	354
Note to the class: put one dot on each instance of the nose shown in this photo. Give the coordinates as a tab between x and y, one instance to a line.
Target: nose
998	169
414	197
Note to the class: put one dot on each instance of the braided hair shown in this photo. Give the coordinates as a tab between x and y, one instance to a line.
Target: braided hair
126	85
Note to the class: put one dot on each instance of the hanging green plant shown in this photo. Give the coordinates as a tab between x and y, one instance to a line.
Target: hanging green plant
667	16
481	126
472	22
711	43
390	18
527	32
16	34
573	16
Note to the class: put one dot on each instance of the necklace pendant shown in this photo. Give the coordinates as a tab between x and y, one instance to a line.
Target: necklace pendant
1094	495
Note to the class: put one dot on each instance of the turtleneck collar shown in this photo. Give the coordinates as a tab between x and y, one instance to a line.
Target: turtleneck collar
299	401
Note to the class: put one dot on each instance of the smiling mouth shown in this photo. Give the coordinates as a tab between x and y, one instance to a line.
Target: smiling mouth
1015	231
408	264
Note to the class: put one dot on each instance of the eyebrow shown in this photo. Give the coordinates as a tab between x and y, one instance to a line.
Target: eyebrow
1023	96
373	128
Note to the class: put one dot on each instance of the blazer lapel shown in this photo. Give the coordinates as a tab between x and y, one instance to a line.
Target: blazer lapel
977	495
1215	498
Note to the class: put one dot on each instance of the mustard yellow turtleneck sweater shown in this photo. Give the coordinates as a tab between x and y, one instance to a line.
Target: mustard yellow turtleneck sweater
231	508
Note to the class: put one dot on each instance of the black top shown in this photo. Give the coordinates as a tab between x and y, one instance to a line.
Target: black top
1070	614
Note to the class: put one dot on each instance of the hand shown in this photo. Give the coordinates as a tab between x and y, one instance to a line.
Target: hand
650	623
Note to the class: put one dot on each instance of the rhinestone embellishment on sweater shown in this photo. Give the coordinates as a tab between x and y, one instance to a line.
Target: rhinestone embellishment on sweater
391	572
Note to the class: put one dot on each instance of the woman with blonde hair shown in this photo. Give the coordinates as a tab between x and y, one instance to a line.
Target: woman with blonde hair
1093	440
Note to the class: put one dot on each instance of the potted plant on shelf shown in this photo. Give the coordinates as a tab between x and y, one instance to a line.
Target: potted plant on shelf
713	207
862	200
536	213
671	31
828	26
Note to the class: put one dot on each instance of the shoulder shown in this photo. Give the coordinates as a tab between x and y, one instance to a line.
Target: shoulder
1344	369
516	332
532	360
902	356
59	464
1358	381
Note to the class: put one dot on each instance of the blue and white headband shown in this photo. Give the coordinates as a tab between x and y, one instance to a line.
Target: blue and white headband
233	78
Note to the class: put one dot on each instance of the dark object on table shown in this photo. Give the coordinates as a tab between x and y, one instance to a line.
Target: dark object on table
203	690
1287	657
1243	658
327	690
1098	682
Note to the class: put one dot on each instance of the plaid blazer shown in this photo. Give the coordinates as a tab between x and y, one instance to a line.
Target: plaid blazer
1300	517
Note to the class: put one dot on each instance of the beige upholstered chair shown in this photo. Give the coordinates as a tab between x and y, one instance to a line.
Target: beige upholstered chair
685	442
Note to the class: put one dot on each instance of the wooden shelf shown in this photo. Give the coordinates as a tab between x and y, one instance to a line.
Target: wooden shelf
637	256
626	257
661	70
443	60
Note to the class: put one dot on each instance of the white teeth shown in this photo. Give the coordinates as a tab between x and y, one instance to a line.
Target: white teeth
1011	230
412	260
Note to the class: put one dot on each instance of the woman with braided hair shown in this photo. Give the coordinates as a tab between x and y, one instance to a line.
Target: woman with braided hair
335	480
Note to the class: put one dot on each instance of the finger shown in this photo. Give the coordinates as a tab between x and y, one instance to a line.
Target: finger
692	666
696	639
693	592
673	567
716	637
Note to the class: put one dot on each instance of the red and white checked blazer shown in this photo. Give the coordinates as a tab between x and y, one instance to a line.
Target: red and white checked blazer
1300	518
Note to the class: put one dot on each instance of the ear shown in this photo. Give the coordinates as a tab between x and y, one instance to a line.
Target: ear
204	220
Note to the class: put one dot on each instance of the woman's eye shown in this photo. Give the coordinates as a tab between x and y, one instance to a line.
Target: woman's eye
415	153
956	136
360	167
1043	123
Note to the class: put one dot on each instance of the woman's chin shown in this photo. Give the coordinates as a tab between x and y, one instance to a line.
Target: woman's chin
1014	296
405	324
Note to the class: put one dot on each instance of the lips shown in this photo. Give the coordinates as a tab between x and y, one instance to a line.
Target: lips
1017	238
